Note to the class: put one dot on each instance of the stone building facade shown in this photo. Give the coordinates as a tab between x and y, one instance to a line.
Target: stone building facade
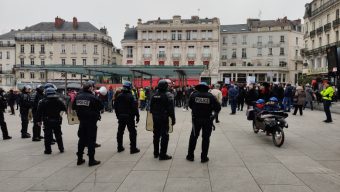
7	60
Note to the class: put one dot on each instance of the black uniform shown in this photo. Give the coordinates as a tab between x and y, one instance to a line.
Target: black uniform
3	106
36	98
161	107
88	108
25	105
11	101
126	110
48	112
202	105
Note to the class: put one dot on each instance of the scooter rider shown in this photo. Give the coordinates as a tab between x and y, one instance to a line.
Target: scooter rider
126	110
88	108
48	112
203	104
162	107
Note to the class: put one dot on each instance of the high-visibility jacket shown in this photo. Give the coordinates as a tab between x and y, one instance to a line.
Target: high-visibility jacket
141	95
327	94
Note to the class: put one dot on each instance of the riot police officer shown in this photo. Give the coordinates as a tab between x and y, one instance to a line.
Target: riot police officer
39	95
48	112
3	106
202	104
126	110
25	105
161	107
88	108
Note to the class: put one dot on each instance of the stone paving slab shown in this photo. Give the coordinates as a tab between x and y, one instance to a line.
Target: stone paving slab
240	160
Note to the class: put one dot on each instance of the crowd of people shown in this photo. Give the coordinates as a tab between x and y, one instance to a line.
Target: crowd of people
44	106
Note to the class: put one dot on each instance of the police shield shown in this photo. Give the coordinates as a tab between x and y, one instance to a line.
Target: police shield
149	123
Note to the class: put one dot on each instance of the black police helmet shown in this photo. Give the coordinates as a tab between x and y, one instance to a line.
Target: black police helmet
163	85
203	86
40	88
87	85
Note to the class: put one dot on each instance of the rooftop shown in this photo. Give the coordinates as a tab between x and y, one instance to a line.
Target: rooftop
67	27
234	28
9	35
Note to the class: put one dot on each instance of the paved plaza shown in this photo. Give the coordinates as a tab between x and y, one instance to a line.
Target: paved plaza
240	161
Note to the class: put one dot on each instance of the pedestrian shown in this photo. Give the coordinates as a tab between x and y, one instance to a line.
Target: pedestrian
299	100
309	96
218	95
251	96
25	106
110	95
162	108
126	111
240	98
203	104
327	95
88	108
48	112
11	101
233	93
37	97
3	106
224	96
142	98
287	100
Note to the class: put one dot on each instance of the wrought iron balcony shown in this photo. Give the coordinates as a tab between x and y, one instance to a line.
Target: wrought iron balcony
161	55
224	57
176	55
324	7
327	27
336	22
147	56
312	33
206	55
319	30
191	55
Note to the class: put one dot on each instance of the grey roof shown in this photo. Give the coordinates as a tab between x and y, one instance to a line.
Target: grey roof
234	28
9	35
185	21
131	34
67	26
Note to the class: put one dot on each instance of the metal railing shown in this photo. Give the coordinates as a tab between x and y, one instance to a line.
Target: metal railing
147	56
319	30
336	22
176	55
312	33
324	6
327	27
191	55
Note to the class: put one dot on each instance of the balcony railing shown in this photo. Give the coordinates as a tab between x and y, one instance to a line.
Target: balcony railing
7	45
206	55
147	56
176	55
319	30
324	6
191	55
312	71
312	33
320	50
224	57
336	22
161	55
327	27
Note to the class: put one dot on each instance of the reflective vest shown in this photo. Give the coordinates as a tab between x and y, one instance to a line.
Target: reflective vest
327	94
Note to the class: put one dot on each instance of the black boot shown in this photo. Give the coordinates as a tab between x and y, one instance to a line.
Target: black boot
165	157
93	162
134	150
80	160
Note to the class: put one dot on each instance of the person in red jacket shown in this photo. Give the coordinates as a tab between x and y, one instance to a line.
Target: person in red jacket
224	96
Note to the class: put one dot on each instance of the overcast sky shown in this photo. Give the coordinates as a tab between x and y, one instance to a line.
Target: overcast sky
16	14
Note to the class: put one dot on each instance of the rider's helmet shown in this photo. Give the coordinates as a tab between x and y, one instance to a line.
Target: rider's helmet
260	103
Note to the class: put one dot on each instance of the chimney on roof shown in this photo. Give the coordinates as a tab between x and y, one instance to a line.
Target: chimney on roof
103	30
250	22
195	18
75	23
127	26
58	22
139	21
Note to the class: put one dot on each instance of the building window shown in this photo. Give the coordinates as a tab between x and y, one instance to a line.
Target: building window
191	63
296	53
244	53
84	36
32	75
63	61
42	75
282	51
244	40
259	40
95	61
150	35
0	55
74	36
62	48
84	62
224	64
176	63
42	49
146	63
327	38
282	39
337	36
32	61
210	34
283	64
188	35
225	40
270	51
63	74
63	36
22	48
95	49
194	34
84	49
129	52
161	53
234	41
7	55
22	62
204	34
173	35
337	14
74	75
22	75
270	40
73	48
259	51
234	55
159	35
42	62
32	48
297	41
320	41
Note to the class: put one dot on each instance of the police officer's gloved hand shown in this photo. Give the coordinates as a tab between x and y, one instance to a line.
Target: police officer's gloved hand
137	119
173	122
